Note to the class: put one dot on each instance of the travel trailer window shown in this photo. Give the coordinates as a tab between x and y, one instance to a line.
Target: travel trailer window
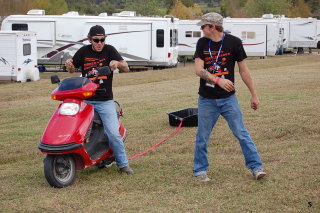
160	38
196	34
248	35
188	34
26	49
19	27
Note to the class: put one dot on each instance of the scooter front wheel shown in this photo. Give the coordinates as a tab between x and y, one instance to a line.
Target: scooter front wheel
59	170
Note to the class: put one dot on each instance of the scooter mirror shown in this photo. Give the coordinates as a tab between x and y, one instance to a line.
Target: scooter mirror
103	71
55	79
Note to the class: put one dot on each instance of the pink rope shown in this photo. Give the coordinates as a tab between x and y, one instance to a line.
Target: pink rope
157	144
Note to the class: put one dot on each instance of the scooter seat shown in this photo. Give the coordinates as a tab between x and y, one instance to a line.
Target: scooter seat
97	119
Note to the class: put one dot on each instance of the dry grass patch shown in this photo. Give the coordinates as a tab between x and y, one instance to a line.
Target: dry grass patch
285	129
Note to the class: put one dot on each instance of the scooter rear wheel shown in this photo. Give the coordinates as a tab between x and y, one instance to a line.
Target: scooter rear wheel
59	170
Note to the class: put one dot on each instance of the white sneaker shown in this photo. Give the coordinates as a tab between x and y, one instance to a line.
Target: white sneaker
203	178
259	174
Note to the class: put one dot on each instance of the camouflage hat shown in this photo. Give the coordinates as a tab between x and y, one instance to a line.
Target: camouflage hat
211	18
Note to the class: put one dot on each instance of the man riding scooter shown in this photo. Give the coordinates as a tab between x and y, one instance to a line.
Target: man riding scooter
98	54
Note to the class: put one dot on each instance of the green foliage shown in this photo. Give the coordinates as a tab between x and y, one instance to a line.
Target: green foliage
256	8
56	7
144	7
300	9
181	11
232	8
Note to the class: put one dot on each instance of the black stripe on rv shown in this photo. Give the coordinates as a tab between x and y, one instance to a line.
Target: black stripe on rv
60	49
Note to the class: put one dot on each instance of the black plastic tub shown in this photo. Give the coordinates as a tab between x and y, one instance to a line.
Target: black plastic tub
189	117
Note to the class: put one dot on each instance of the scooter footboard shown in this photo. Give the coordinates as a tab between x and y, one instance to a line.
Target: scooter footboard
98	143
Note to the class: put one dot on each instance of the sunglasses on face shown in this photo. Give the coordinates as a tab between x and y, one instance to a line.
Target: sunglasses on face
96	40
204	26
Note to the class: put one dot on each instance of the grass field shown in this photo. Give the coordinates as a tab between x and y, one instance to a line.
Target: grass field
286	130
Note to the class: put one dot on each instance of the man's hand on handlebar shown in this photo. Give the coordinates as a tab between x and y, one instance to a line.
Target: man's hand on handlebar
70	66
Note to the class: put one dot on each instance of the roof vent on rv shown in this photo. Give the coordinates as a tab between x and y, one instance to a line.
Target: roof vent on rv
267	16
103	14
126	13
36	12
71	13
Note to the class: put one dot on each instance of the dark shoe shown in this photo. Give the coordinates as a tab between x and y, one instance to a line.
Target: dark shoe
107	163
126	170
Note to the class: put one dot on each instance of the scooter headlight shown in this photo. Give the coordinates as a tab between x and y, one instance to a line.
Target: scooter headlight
69	109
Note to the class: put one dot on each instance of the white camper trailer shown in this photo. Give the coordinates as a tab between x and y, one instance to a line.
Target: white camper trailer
18	56
302	32
188	36
258	29
253	36
142	41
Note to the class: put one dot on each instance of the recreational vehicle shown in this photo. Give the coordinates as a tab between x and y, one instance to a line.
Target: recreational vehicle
302	32
253	35
188	35
18	56
259	34
142	41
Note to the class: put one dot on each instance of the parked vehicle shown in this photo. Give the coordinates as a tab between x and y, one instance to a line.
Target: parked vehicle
18	56
142	41
259	38
74	138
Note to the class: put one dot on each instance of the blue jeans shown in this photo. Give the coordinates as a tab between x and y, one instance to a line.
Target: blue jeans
209	111
108	114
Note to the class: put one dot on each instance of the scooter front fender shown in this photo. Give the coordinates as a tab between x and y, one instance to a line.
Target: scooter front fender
68	129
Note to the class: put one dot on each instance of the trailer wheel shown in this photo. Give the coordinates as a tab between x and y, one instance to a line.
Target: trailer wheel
59	170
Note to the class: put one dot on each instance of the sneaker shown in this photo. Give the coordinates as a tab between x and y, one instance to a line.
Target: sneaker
259	174
126	170
203	178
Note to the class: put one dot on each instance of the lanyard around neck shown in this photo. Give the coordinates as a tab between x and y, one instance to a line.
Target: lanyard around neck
214	64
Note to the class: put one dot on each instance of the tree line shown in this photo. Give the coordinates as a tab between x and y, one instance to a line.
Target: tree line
183	9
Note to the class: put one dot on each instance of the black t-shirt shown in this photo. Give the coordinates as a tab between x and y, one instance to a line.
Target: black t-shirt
86	59
231	51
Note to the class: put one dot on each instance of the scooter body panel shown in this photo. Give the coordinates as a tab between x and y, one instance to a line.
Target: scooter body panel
64	129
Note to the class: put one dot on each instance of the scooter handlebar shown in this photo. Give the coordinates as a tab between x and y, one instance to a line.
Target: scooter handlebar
103	71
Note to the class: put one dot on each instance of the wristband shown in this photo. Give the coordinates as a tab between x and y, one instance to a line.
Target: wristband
217	80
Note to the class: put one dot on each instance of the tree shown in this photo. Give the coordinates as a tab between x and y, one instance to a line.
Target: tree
256	8
56	7
233	8
107	7
197	13
180	11
144	7
187	3
300	9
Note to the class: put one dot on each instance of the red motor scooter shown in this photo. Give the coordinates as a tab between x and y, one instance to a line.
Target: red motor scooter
74	137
